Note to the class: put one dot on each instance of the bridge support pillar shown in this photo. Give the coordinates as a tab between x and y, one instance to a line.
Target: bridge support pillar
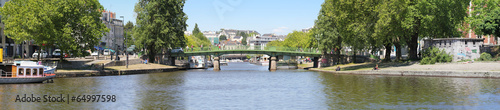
316	62
171	61
216	64
273	64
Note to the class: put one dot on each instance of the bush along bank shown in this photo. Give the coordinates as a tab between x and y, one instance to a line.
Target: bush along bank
433	55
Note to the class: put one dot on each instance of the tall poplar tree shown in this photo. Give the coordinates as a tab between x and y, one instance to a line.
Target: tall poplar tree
160	25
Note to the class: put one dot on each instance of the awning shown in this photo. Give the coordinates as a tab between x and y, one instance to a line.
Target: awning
98	48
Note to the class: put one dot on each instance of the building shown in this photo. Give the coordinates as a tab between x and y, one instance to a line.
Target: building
237	38
188	33
488	39
114	38
231	33
212	36
460	48
307	29
263	40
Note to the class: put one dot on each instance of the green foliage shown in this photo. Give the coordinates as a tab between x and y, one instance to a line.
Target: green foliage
128	32
161	25
191	40
244	40
70	25
362	24
296	39
434	55
485	57
222	37
196	30
129	26
486	17
275	43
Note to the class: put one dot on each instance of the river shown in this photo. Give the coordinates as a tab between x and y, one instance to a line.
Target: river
248	86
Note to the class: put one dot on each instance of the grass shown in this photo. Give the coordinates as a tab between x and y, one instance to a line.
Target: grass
305	65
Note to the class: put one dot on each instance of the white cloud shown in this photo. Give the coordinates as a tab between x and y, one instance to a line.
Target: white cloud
280	30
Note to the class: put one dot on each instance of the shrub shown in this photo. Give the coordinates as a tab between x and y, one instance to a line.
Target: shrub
434	55
485	57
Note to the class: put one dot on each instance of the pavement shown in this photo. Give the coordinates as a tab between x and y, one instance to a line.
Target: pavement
456	69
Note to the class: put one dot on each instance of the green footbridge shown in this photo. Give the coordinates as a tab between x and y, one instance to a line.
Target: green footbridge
272	51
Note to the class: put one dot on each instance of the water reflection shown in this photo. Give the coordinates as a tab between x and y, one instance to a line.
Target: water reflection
388	92
247	86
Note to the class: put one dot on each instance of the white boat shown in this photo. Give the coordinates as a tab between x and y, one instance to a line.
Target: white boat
23	72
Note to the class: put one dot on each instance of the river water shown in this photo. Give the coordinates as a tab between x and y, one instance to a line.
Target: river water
248	86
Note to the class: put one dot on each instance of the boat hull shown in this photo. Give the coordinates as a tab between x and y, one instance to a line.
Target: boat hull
18	80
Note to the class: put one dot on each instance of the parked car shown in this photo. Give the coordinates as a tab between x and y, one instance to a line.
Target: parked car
57	53
107	52
95	53
42	55
177	50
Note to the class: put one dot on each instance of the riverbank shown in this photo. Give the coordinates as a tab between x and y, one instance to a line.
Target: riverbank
469	70
117	70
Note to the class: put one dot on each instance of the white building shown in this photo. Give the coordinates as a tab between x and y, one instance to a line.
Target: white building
231	33
460	48
212	36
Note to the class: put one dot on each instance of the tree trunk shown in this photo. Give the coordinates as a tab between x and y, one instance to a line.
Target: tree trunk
354	55
413	44
388	48
339	48
14	52
398	51
325	55
151	53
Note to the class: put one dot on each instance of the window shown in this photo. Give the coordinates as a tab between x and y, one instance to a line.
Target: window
35	72
40	71
465	42
28	71
473	42
21	71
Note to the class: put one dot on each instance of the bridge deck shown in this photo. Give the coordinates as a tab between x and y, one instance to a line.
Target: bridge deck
267	52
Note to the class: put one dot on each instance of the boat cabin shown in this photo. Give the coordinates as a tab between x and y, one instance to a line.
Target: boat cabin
22	69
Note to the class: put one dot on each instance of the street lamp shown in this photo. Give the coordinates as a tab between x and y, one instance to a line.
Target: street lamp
125	38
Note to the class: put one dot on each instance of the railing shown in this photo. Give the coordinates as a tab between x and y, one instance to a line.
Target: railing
266	48
5	74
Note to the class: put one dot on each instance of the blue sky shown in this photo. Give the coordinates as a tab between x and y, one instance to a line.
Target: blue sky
265	16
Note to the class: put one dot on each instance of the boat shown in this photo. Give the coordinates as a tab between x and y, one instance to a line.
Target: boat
24	72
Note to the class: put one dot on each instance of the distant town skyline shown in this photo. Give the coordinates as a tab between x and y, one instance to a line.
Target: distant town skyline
265	16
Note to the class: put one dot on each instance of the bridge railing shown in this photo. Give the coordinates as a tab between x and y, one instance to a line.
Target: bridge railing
268	48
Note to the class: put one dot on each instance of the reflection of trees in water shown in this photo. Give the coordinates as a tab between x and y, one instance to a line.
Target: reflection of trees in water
161	91
366	91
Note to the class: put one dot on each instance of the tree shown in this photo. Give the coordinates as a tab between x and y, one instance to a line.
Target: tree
128	32
491	24
434	19
388	30
196	30
160	25
72	26
129	26
485	17
222	37
244	40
